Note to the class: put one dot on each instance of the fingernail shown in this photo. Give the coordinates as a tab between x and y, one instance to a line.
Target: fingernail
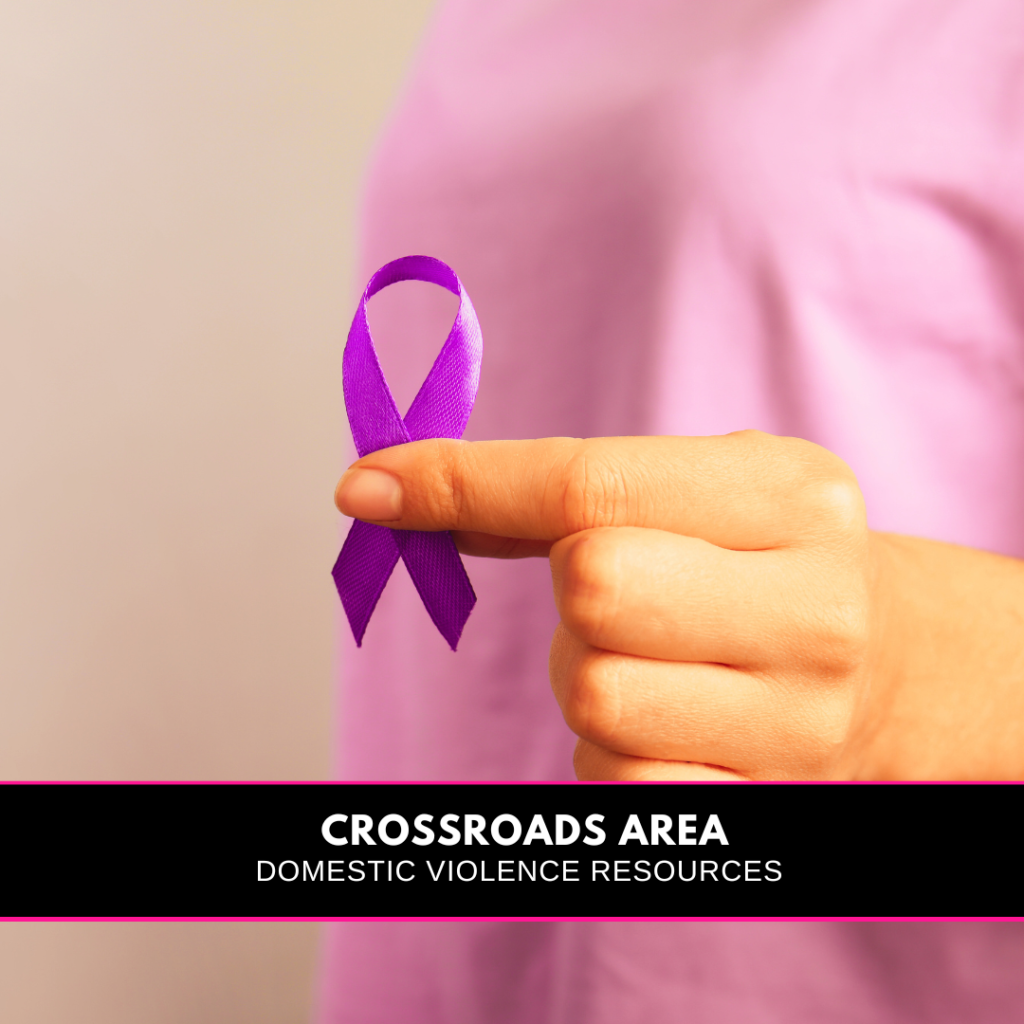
370	494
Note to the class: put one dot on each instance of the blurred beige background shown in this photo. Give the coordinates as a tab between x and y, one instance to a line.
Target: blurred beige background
177	190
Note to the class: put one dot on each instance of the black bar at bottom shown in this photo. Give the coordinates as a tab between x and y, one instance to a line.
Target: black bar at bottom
559	850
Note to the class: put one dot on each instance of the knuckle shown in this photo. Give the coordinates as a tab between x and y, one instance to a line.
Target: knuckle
829	622
592	707
836	640
814	733
825	489
595	493
449	500
819	488
591	586
847	637
835	500
827	732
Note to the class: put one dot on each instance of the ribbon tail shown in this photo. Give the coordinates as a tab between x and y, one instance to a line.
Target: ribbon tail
368	557
440	577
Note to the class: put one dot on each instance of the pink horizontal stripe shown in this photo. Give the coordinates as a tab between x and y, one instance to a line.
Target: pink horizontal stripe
499	782
595	918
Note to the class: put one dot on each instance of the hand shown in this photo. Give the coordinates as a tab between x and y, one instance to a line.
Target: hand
726	613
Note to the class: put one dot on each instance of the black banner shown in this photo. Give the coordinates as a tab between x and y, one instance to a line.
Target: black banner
516	850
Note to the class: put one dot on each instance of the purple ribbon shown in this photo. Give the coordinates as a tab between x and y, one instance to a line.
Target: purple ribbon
440	409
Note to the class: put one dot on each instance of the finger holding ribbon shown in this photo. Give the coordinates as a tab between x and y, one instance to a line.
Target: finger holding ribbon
726	612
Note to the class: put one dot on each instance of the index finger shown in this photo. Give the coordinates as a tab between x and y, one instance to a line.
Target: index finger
744	491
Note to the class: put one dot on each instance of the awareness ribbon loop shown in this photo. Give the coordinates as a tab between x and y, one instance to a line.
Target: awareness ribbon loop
441	408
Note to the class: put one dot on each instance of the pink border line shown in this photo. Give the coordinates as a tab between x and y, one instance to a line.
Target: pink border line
389	920
503	782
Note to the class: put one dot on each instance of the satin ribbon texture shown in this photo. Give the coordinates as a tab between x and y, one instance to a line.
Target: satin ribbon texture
441	408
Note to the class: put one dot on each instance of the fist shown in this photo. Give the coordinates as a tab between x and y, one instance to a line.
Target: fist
710	617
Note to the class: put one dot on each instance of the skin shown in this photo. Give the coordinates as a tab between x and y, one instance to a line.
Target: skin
725	611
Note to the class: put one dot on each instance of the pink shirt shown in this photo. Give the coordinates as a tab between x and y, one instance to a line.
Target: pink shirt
679	216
